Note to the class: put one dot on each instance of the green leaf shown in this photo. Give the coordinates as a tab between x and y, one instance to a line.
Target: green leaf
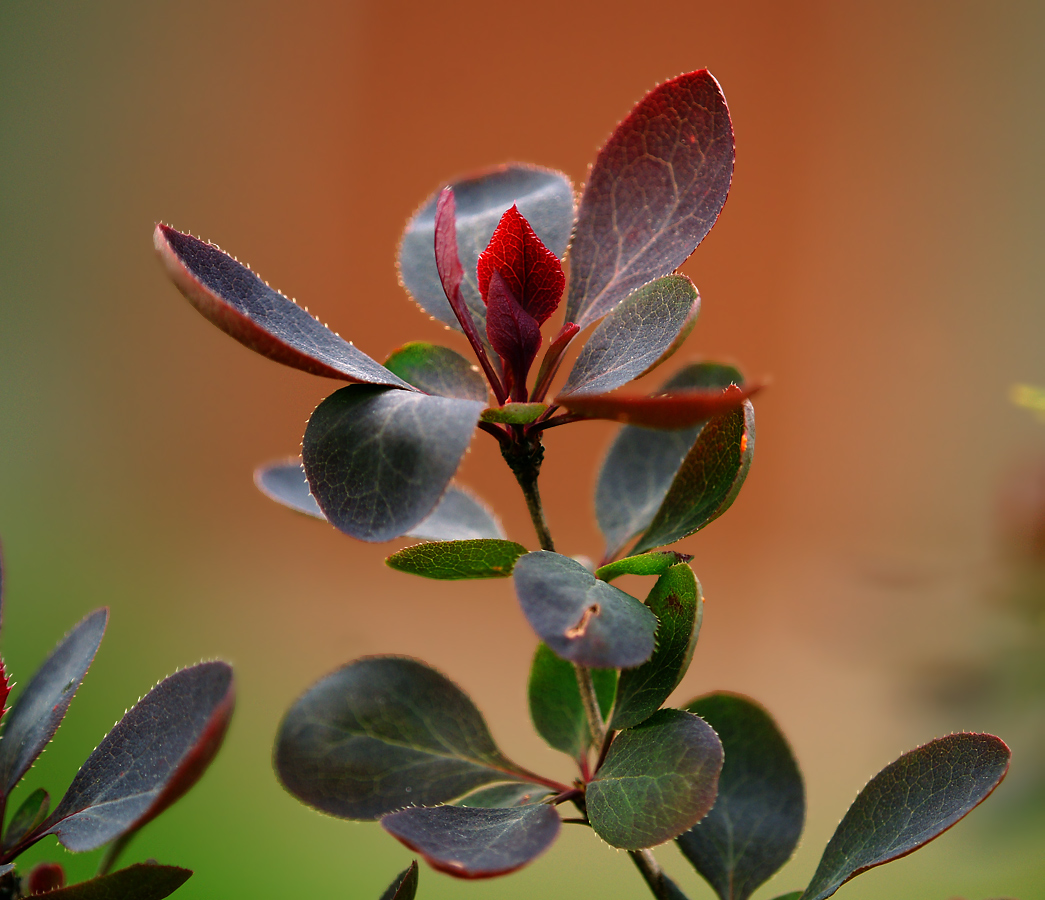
659	779
453	560
634	337
28	817
708	481
476	843
555	701
582	619
757	820
656	562
676	602
503	796
405	885
378	459
794	895
910	802
514	413
382	733
642	463
438	370
142	881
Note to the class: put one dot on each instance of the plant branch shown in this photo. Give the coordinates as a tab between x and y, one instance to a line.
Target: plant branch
663	888
524	456
591	706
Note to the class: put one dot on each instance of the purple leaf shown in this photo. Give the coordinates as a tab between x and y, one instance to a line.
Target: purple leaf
405	885
142	881
654	192
513	333
679	409
232	297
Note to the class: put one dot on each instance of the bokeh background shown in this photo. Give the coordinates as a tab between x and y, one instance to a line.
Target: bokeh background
878	258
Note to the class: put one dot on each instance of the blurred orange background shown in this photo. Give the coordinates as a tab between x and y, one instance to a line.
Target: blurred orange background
876	258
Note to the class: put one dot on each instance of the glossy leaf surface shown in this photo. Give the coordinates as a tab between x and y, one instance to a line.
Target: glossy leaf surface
502	796
667	412
153	755
580	618
656	562
382	733
555	701
40	708
232	297
438	370
513	333
654	192
378	460
708	480
27	817
142	881
910	802
676	602
514	413
659	779
454	560
756	822
405	885
543	196
632	338
641	463
476	843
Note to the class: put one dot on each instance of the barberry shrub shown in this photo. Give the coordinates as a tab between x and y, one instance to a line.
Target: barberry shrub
390	739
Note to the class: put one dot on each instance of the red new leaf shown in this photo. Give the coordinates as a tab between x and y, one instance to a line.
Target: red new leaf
5	688
532	272
666	411
513	333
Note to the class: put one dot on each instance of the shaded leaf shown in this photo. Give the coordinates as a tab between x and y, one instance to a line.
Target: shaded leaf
405	885
514	413
40	708
553	359
641	463
708	480
384	732
668	412
793	895
458	559
476	843
513	333
580	618
142	881
543	196
156	752
655	190
378	460
556	707
910	802
676	602
659	779
232	297
438	370
634	337
285	482
756	822
656	562
28	817
502	796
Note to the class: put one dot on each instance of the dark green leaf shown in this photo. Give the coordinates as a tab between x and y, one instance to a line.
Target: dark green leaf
476	843
656	562
453	560
555	701
40	708
232	297
142	881
793	895
634	336
438	370
514	413
676	602
153	755
582	619
382	733
642	463
659	779
378	460
502	796
405	885
708	481
653	194
543	196
910	802
755	824
28	817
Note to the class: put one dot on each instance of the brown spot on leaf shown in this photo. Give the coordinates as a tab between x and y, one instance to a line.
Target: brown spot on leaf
581	627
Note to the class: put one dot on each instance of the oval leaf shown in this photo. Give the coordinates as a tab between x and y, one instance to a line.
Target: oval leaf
910	802
378	460
634	337
656	562
654	192
40	708
676	602
232	297
682	409
502	796
754	826
28	817
476	843
438	370
582	619
659	779
382	733
543	196
405	885
454	560
142	881
156	752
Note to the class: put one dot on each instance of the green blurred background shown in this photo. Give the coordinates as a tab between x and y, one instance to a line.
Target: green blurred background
878	258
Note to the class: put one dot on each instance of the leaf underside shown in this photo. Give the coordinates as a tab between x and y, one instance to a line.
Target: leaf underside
514	413
405	885
503	796
667	412
438	370
454	560
142	881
